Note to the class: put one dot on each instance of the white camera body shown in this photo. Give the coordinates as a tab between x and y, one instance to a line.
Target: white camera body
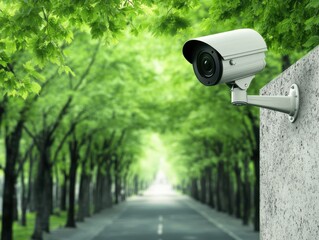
226	57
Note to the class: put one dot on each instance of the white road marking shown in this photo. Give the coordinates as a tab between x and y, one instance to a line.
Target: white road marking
160	226
160	229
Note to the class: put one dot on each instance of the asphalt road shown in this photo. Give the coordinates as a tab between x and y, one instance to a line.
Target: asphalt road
165	217
160	214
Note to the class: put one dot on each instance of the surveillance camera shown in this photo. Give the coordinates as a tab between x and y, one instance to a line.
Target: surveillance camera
227	57
234	58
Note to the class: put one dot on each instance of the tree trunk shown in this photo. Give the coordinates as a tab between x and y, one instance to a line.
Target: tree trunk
136	189
219	186
225	191
230	194
82	193
42	188
30	195
103	191
87	198
238	191
256	160
117	180
125	190
15	205
8	208
211	200
285	59
119	189
246	190
12	145
97	192
84	197
23	200
109	187
57	188
203	188
31	183
39	195
73	147
257	192
195	193
47	198
64	189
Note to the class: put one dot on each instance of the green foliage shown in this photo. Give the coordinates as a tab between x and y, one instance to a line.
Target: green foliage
135	82
287	26
45	28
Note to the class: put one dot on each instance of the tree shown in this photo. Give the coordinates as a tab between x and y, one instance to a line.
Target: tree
280	23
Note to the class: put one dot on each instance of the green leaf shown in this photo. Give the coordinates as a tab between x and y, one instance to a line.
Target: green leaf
30	68
35	87
66	69
312	41
313	4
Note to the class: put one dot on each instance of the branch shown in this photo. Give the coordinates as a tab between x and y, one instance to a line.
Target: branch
68	102
59	118
30	133
68	133
112	137
119	142
87	151
3	108
81	116
87	70
106	146
43	86
24	159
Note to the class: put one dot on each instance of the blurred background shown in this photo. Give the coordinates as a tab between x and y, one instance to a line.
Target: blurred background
98	104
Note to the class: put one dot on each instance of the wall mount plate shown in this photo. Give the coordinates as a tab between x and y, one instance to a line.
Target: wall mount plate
294	93
289	103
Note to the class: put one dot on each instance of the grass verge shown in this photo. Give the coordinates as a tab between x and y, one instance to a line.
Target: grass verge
25	232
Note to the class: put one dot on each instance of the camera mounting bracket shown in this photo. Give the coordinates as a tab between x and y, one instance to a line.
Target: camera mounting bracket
288	104
244	82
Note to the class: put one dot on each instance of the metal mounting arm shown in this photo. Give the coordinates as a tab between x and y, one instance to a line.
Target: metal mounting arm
286	104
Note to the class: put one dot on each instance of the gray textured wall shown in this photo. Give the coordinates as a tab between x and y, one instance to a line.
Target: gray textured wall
290	158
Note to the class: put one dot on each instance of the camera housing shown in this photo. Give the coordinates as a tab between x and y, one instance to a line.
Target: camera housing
227	57
234	58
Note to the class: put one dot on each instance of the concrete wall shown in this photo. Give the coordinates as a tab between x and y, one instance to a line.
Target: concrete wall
290	158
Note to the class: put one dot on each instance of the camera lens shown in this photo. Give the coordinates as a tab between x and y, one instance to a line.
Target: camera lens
206	65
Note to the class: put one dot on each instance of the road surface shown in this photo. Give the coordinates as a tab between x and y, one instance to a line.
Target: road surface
164	216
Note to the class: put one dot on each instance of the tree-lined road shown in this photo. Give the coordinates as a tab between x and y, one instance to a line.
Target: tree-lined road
158	215
161	218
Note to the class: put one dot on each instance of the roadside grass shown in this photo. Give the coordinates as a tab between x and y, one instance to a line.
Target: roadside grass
24	233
